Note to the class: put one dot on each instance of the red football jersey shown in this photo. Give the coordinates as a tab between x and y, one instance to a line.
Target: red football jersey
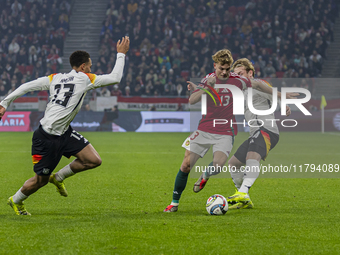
226	110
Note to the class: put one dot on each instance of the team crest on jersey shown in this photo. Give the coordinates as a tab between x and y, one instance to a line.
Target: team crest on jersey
187	143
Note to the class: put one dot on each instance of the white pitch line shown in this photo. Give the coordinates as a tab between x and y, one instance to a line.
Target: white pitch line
338	134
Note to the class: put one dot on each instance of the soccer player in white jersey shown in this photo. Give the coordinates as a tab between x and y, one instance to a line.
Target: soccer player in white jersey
261	141
55	137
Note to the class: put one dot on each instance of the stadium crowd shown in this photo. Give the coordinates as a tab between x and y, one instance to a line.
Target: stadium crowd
172	41
32	34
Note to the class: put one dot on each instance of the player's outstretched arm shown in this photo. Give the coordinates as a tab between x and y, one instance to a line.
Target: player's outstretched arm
117	73
196	97
42	83
256	84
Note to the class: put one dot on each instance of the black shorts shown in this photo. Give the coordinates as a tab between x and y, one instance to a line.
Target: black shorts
261	142
47	149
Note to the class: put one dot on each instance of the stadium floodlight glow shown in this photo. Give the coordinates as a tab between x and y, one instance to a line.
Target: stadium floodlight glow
238	100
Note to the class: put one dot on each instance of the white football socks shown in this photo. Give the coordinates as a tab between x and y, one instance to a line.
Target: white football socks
64	173
237	176
19	197
251	173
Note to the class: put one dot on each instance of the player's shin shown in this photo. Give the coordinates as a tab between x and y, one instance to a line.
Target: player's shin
212	170
251	173
180	183
208	173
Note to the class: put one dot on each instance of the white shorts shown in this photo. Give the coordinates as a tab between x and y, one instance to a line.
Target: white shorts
199	142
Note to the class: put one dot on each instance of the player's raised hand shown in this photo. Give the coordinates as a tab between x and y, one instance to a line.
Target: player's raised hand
123	45
191	86
2	111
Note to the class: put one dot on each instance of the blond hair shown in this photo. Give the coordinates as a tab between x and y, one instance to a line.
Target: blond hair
245	63
223	57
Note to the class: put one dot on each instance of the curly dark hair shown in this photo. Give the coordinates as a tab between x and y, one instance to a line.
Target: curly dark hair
79	57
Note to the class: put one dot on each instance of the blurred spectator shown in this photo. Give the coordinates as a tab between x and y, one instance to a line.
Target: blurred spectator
87	108
179	89
62	24
3	91
116	91
269	70
22	57
104	92
13	47
127	91
32	55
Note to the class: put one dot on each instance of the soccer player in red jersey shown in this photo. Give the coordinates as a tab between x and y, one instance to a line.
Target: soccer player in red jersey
219	137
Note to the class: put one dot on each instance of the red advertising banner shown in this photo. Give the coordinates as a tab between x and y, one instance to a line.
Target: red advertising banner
15	121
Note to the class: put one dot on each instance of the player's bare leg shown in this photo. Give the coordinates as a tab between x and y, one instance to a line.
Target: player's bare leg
220	158
34	183
87	158
190	158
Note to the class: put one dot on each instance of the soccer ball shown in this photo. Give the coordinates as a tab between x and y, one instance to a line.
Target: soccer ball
217	205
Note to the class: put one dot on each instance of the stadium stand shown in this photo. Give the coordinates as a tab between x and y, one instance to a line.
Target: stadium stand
172	41
32	37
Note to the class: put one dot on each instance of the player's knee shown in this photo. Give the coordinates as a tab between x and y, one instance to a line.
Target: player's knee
41	181
230	162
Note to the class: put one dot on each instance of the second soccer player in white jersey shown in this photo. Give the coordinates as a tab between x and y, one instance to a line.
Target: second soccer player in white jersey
257	146
55	137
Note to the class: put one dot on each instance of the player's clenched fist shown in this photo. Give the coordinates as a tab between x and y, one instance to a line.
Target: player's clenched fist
191	86
2	111
123	45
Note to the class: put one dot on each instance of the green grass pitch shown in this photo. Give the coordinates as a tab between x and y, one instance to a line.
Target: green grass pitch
117	208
